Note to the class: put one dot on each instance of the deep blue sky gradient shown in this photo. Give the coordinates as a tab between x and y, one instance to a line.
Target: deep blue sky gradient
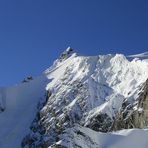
34	32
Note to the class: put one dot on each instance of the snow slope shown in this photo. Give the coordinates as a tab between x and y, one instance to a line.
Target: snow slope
87	138
20	109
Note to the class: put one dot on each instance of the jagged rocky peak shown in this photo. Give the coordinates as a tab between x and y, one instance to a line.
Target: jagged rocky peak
66	54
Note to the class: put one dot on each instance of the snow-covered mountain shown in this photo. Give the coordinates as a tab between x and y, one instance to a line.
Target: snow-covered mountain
74	100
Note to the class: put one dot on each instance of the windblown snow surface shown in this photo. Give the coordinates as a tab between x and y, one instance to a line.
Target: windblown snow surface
107	81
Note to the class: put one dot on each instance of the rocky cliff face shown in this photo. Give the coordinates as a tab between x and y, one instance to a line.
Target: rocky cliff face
134	115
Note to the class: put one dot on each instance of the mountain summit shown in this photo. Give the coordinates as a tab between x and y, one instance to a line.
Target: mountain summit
66	54
75	101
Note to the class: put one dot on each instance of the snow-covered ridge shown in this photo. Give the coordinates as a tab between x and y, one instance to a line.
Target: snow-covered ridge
141	55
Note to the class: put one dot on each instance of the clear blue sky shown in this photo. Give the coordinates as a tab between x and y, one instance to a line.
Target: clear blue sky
34	32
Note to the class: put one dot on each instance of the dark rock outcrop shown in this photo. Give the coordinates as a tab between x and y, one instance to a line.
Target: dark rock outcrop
66	54
101	123
133	115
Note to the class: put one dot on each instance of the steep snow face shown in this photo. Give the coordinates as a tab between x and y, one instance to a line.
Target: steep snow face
86	138
20	104
108	80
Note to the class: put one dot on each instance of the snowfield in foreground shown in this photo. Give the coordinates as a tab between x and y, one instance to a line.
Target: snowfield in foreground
86	138
78	92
